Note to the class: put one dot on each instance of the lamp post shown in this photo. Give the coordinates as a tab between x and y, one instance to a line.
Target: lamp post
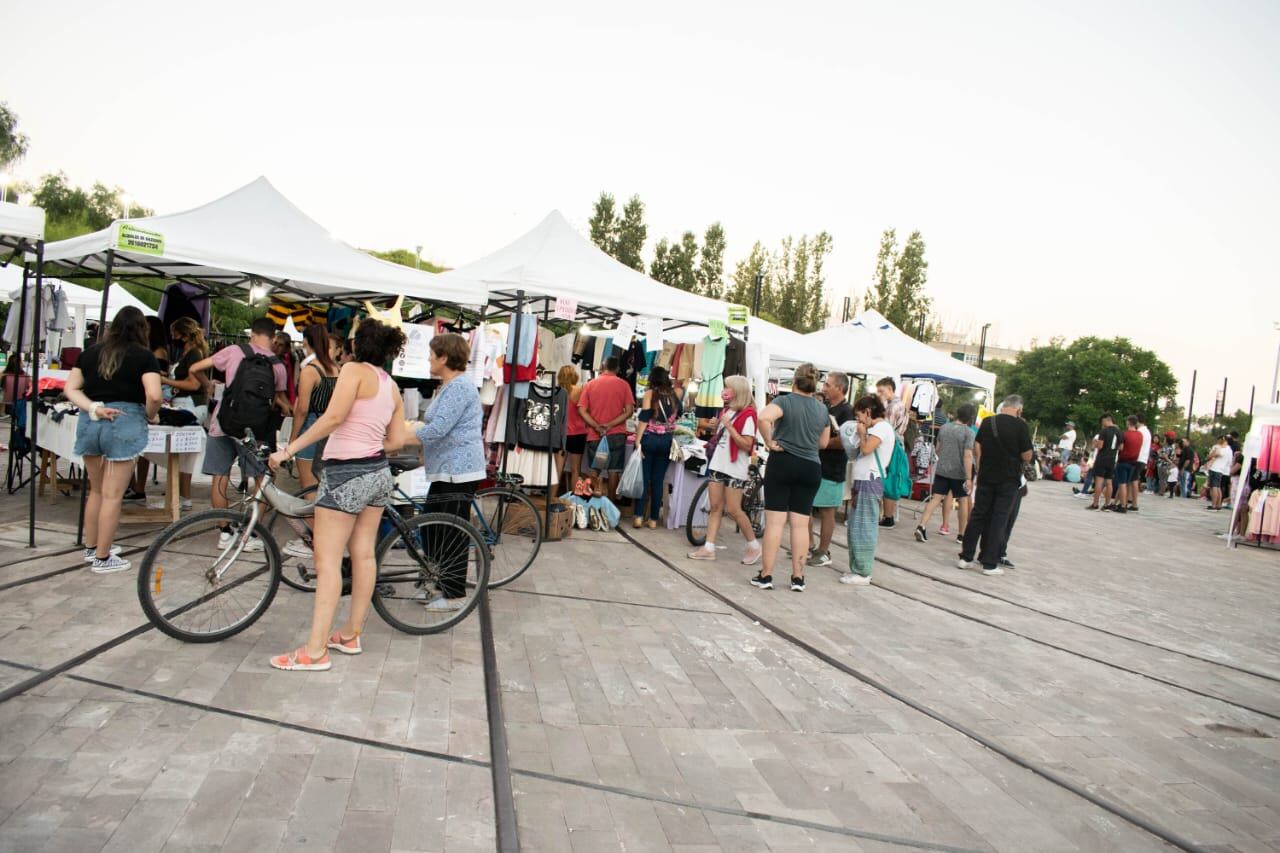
982	346
417	257
755	295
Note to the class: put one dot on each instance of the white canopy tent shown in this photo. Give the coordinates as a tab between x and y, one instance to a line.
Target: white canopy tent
19	223
875	347
252	236
1264	415
555	261
83	303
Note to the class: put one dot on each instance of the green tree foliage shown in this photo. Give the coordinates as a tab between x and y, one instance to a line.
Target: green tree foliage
13	145
631	234
898	287
711	262
676	264
1081	381
405	258
797	290
604	225
742	286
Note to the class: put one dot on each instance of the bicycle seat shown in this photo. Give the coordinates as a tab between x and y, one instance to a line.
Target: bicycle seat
289	505
508	479
400	464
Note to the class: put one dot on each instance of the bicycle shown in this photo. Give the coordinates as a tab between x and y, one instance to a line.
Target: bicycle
695	526
212	574
506	518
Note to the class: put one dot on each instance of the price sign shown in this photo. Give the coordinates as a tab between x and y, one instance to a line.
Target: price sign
738	316
413	362
626	328
566	308
156	441
651	328
187	440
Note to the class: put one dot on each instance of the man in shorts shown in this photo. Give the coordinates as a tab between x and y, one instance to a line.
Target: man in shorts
220	450
1126	484
954	474
1107	445
832	458
605	405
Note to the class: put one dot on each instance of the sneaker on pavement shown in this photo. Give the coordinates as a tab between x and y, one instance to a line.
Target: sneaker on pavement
921	534
349	646
797	584
1092	506
185	504
298	548
944	531
962	563
855	580
1007	563
888	522
133	496
110	565
819	560
91	554
762	582
442	604
753	553
1119	509
703	553
992	570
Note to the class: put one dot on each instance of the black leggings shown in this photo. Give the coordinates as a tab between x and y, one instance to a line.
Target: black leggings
791	483
453	577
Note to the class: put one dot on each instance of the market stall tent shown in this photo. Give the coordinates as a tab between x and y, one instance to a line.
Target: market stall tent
20	225
1264	415
252	236
83	303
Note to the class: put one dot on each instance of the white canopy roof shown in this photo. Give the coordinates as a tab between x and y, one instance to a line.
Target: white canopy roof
785	347
875	347
11	291
553	260
254	233
21	222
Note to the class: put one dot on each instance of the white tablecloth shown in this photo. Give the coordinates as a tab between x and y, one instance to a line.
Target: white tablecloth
59	438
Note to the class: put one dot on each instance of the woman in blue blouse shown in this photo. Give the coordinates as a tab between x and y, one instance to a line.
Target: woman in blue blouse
453	448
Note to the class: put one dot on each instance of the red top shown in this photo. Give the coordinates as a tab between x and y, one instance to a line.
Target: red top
574	424
605	397
1132	446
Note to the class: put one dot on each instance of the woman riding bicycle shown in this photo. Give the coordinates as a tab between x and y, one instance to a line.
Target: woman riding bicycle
365	416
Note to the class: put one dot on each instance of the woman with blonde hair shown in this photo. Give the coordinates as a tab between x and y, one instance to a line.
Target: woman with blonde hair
729	458
191	390
575	428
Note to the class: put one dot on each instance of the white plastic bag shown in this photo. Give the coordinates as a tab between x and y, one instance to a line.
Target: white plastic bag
632	483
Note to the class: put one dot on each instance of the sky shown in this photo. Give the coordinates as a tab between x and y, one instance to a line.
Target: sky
1092	168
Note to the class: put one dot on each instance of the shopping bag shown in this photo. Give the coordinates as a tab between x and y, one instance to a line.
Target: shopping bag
632	483
600	461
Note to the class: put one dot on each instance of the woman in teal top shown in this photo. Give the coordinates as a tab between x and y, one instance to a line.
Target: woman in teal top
793	427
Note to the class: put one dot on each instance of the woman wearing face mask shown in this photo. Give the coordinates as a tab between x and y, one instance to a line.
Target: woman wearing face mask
730	457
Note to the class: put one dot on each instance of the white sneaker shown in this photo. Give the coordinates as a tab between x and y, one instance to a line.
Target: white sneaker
185	504
442	604
110	565
298	548
254	544
855	580
966	564
994	570
91	554
224	539
753	553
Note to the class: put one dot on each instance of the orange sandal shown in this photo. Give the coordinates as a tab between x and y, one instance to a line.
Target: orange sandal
299	660
349	646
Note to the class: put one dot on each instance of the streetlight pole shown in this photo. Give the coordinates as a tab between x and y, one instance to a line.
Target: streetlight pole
755	295
982	346
417	257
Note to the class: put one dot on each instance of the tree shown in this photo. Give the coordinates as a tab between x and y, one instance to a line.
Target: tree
604	225
742	286
1081	381
711	265
898	287
630	234
71	211
799	300
676	263
405	258
13	145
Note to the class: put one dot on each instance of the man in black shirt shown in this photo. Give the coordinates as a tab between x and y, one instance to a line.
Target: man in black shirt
1002	447
831	456
1104	464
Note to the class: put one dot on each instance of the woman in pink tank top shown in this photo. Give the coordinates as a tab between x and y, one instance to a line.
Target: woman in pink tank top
365	416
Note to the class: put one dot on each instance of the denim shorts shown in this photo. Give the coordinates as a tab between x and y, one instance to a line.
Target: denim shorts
117	440
307	453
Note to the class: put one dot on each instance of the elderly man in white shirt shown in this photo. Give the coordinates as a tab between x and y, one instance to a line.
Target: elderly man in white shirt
1067	443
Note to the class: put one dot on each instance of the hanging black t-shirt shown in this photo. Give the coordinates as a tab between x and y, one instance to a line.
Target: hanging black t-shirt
182	371
1003	439
833	461
1111	442
125	385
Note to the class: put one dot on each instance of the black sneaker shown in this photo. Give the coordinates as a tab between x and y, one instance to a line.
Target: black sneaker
134	496
797	584
1007	563
1093	506
1132	508
887	522
762	582
1119	509
921	535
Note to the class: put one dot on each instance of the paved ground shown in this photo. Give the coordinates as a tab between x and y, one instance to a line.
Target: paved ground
1133	657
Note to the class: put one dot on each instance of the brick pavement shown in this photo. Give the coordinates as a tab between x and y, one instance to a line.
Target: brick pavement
644	713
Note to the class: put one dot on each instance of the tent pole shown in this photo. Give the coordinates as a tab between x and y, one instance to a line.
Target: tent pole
106	289
546	516
513	344
32	417
13	418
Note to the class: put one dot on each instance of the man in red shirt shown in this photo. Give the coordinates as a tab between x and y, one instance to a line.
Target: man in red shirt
606	403
1127	466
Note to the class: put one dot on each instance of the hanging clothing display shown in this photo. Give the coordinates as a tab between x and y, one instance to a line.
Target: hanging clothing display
532	466
303	314
711	372
1264	516
520	364
735	358
1269	452
630	362
540	418
58	318
184	300
924	399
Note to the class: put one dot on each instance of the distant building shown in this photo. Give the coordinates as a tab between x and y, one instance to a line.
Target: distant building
961	348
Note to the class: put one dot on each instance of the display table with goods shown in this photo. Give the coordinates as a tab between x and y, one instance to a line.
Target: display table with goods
176	450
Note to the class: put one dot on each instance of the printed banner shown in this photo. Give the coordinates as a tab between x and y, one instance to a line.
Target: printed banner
566	308
738	315
137	240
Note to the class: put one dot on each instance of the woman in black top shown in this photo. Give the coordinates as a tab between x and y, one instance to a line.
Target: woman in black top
315	387
116	384
191	390
654	434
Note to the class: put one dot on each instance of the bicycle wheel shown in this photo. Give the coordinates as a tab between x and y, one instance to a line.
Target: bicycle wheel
197	590
424	554
753	506
512	526
296	569
695	524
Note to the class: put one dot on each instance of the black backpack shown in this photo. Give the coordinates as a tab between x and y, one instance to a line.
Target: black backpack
249	398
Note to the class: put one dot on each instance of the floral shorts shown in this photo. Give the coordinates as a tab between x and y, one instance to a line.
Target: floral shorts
727	481
350	485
